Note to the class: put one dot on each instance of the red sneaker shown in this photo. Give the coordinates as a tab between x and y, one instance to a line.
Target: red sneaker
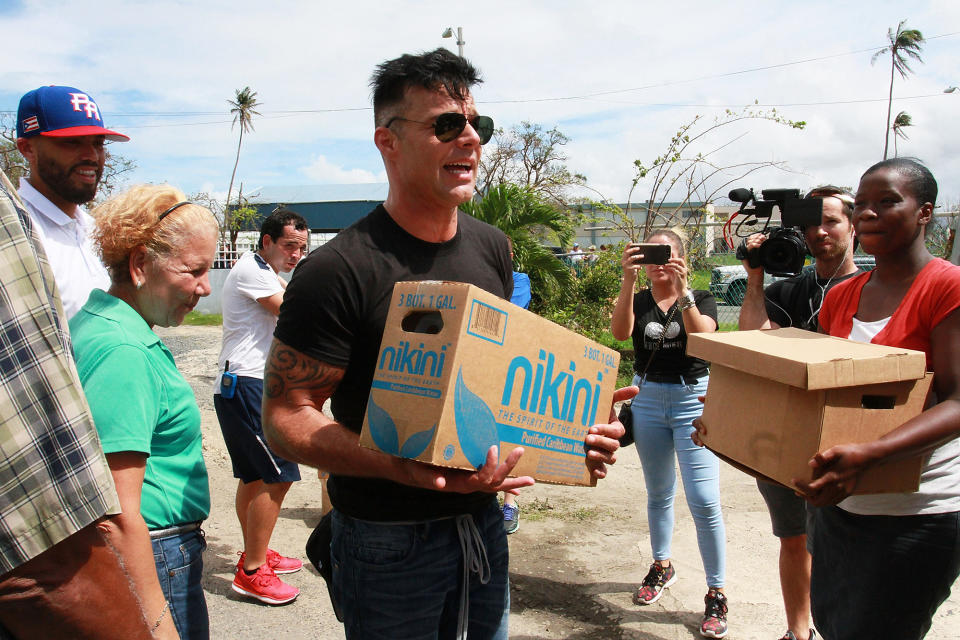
282	564
265	586
714	621
277	562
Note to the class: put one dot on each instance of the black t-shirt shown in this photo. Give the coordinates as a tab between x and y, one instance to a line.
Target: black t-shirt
672	358
796	301
335	309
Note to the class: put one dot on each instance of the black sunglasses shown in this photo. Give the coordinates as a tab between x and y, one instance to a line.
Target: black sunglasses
448	126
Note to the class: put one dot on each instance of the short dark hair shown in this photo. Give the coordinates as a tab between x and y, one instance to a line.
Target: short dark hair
827	190
273	224
922	182
431	70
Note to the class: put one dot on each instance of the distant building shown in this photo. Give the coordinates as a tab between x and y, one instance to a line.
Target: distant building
603	230
328	208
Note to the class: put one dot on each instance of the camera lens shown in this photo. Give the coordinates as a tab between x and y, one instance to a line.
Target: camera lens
783	252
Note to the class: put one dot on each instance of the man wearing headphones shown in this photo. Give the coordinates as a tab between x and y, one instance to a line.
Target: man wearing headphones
795	302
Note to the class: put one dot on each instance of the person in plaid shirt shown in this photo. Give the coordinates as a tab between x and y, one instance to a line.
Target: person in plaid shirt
61	577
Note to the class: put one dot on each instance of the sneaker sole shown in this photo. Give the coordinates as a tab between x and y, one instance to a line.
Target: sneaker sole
711	634
266	599
669	583
286	571
275	570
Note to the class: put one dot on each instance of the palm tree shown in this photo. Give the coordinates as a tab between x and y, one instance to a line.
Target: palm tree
243	109
527	219
902	121
904	44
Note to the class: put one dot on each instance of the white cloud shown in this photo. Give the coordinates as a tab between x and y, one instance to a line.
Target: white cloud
322	171
316	59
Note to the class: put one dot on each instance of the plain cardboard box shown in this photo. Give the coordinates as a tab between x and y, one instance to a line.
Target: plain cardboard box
461	369
777	397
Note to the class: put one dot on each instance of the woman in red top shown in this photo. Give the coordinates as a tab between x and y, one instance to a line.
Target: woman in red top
882	564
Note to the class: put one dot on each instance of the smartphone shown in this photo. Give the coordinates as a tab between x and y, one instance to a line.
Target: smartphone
652	253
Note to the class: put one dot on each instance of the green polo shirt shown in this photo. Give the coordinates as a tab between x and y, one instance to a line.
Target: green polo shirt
141	402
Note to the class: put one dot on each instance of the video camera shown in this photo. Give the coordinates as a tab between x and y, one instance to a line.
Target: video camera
784	250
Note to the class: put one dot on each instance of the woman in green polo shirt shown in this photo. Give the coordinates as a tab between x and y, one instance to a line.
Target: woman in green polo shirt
158	249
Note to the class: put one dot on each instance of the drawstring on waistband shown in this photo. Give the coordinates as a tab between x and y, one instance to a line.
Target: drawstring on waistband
474	561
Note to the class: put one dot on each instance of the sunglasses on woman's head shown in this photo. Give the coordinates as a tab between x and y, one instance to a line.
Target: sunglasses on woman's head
448	126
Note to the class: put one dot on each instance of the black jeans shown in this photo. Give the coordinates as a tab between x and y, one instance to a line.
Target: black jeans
881	576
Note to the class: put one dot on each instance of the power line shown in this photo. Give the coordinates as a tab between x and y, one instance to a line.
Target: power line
772	104
586	96
713	76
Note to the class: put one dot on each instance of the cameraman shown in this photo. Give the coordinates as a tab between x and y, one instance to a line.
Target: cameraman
796	302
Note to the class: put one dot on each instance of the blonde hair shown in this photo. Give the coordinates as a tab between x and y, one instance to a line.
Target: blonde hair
129	220
677	234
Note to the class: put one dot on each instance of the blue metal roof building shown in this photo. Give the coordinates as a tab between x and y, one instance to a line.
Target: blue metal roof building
328	208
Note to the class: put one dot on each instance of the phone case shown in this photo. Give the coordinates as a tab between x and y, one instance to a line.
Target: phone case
228	384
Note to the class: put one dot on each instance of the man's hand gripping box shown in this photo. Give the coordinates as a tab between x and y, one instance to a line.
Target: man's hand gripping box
460	370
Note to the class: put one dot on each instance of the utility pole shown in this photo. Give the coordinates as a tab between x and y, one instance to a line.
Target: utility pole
448	33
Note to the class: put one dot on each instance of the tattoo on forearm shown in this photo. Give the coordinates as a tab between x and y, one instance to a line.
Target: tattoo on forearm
289	370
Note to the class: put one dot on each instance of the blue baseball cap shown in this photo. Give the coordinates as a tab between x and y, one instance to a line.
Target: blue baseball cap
60	112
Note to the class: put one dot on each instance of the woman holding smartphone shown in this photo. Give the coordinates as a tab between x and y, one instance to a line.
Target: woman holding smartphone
658	318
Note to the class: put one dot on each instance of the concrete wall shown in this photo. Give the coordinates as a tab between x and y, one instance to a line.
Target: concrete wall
211	303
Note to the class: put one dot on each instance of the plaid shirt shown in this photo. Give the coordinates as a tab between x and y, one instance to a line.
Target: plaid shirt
54	478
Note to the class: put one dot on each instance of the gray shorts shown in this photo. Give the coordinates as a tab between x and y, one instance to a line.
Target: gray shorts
788	511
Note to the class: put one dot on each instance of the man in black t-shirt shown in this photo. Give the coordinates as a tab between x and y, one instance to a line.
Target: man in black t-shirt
406	535
795	302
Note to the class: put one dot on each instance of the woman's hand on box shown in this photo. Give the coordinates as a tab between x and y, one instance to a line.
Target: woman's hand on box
492	477
603	440
699	429
836	472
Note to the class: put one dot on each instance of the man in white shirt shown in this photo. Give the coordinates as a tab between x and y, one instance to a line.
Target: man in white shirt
61	134
251	298
576	254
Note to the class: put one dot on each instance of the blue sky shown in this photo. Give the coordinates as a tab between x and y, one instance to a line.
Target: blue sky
163	72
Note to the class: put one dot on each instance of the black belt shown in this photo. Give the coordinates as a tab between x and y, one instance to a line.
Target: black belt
670	378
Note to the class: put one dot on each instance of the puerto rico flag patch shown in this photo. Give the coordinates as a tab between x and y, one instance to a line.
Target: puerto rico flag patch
30	124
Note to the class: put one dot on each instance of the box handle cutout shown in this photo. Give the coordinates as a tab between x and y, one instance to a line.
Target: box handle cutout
878	402
422	322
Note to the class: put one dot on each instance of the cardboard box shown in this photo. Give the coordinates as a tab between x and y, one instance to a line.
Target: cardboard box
460	370
777	397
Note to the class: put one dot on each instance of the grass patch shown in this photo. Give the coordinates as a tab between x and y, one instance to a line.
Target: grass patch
606	339
540	508
699	279
728	326
197	319
537	509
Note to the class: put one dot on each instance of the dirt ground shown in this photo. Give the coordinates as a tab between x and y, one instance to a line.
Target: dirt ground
574	562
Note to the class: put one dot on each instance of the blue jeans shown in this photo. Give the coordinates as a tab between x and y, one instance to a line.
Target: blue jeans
403	581
881	576
179	560
662	424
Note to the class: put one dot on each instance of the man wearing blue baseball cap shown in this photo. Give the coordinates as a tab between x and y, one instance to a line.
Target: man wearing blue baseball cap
61	134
